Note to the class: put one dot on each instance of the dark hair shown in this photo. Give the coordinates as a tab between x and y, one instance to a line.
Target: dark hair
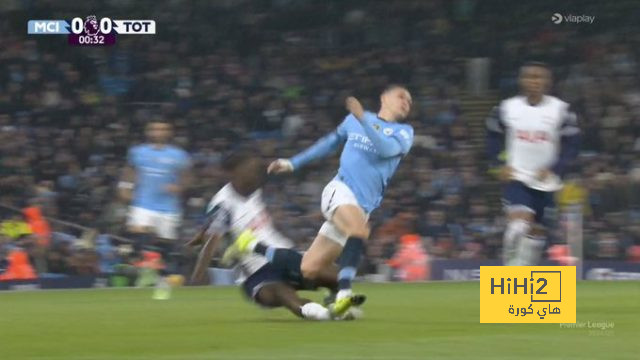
158	120
541	64
236	156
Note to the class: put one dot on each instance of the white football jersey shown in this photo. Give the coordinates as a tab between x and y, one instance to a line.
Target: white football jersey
233	213
533	134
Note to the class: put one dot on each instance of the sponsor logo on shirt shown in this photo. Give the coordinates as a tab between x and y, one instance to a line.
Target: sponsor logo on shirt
154	171
388	131
533	136
362	142
165	160
261	220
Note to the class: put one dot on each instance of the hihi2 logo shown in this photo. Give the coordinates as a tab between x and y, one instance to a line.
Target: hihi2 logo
527	294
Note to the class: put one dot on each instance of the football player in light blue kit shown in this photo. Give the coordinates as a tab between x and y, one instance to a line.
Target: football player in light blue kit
374	144
153	181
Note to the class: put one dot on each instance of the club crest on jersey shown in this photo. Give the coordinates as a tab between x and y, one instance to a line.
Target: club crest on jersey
387	131
376	126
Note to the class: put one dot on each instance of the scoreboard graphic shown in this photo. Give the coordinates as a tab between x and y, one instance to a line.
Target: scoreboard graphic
91	31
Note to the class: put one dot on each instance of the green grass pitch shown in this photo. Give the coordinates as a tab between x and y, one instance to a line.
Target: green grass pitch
403	321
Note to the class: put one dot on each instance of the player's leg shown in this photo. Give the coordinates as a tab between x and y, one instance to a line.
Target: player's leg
285	260
351	221
520	216
347	228
268	288
139	226
326	249
281	294
518	229
531	247
322	254
289	262
328	278
165	228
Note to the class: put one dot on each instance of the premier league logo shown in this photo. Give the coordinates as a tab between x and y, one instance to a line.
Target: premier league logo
91	25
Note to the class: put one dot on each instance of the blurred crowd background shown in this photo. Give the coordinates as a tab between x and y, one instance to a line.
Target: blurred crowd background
276	73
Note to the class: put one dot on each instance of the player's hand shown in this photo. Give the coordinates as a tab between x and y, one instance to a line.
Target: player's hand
354	107
280	166
196	240
506	173
173	188
543	174
125	195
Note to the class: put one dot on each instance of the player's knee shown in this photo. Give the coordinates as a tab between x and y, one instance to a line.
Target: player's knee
519	226
137	229
268	296
310	270
537	230
521	215
361	231
309	273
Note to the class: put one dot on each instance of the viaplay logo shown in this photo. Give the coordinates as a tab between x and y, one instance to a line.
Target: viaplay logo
558	18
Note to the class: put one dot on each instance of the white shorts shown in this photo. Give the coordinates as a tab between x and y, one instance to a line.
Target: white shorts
164	225
335	194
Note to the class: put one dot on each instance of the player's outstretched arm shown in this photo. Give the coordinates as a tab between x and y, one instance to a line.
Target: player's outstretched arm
217	224
495	144
569	143
204	257
321	149
198	239
128	178
495	136
387	146
126	184
280	166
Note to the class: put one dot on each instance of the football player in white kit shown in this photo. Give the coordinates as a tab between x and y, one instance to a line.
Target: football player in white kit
239	207
540	135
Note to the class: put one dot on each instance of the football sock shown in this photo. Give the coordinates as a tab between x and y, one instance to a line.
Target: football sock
516	230
349	262
530	250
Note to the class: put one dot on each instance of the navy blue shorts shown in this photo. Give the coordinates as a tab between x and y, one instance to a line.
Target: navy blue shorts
517	196
266	275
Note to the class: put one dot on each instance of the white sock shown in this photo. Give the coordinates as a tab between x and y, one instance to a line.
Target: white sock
162	283
315	311
343	294
515	231
529	251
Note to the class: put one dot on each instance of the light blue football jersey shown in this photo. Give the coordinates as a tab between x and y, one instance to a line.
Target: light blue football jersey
371	154
156	168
